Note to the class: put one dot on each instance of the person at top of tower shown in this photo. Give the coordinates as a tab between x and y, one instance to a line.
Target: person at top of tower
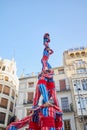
46	39
46	53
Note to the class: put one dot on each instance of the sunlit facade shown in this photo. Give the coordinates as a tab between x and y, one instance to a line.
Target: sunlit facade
8	91
26	91
75	63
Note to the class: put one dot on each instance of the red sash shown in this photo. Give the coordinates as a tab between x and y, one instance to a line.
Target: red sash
50	85
47	122
33	125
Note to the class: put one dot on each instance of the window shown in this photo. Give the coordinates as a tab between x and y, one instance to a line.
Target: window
6	90
84	84
83	53
65	104
81	70
62	85
13	94
30	97
86	100
0	88
3	68
77	85
72	55
4	103
9	117
61	71
2	117
81	103
78	54
31	84
67	125
6	78
11	106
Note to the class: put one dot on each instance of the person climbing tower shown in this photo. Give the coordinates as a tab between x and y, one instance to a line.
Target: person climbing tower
46	67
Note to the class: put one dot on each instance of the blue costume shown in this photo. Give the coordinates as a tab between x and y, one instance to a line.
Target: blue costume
12	128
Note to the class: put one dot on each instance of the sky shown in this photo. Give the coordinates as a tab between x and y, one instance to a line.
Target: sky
24	22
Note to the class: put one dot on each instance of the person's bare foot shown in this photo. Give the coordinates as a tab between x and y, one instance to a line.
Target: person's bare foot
31	112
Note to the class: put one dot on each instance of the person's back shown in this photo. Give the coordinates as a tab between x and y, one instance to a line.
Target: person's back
11	127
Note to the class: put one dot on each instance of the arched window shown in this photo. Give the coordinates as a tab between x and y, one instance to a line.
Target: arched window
83	53
6	78
78	54
72	55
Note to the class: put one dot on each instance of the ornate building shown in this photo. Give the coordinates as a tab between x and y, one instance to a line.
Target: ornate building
8	91
75	64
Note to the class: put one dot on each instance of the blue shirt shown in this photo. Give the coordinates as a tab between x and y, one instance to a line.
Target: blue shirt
13	128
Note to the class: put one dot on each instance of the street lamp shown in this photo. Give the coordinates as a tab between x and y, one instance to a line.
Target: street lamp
81	109
78	89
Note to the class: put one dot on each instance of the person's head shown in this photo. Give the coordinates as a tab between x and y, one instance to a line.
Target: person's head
46	35
46	38
40	74
13	119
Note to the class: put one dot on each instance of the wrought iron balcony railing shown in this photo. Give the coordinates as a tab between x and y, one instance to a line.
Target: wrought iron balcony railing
27	102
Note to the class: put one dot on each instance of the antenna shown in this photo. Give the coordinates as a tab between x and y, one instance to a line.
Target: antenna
23	70
14	53
22	75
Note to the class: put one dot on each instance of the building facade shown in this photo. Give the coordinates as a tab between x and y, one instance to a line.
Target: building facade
75	63
64	97
8	91
26	91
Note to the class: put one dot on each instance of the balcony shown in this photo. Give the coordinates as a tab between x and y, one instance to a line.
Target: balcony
30	102
68	108
63	90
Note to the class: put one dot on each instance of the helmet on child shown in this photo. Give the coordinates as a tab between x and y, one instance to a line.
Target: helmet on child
46	38
46	35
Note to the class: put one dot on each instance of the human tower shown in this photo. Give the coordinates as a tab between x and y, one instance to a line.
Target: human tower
48	115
